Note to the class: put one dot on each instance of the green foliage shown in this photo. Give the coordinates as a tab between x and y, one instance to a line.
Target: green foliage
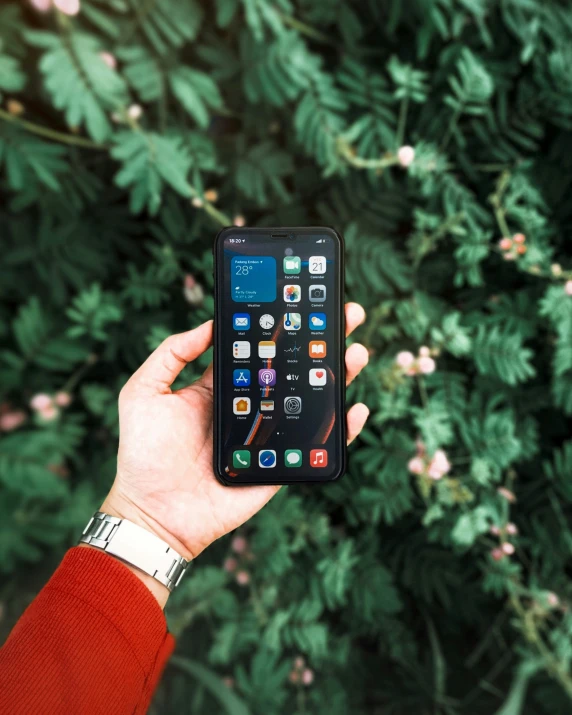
129	134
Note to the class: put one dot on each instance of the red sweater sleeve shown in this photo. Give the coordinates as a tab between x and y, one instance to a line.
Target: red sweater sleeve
93	641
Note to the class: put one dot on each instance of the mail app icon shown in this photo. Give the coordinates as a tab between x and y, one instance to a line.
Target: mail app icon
241	321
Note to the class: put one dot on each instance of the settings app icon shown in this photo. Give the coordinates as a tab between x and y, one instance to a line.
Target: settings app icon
292	405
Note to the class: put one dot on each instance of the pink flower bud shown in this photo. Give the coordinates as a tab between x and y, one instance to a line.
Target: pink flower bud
508	548
109	59
507	494
40	401
416	465
239	221
49	414
299	662
440	460
505	244
135	111
68	7
239	544
63	399
426	365
228	681
424	351
404	359
509	256
405	156
294	677
552	599
230	564
497	554
197	202
193	291
568	287
511	529
12	420
242	578
308	676
211	195
495	530
434	472
519	238
41	5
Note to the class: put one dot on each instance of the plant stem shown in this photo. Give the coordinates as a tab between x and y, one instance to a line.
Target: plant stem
402	120
305	29
358	162
452	125
56	136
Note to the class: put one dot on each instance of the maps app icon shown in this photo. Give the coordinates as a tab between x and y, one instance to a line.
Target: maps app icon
317	321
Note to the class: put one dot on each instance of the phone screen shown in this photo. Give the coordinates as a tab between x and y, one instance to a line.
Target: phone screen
279	376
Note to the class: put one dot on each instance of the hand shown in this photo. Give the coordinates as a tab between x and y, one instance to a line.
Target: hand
165	480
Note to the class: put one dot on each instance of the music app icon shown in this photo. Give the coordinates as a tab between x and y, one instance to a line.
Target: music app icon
318	458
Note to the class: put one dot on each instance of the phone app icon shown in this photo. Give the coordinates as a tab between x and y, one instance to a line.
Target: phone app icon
318	377
292	293
317	294
317	321
241	459
267	349
267	377
241	378
292	321
292	405
267	405
317	349
317	264
241	349
267	458
293	458
318	458
292	264
241	321
241	405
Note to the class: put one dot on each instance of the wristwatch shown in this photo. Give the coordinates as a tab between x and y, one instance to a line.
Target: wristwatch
136	546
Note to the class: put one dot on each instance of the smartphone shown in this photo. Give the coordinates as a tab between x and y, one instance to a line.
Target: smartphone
279	366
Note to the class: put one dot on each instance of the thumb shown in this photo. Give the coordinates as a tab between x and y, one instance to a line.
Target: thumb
159	371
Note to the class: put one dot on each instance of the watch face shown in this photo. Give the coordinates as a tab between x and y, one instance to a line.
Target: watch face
266	321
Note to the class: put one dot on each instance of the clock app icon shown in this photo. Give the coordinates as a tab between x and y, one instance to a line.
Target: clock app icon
266	321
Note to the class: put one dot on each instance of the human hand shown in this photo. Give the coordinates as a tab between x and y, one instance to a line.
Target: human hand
165	480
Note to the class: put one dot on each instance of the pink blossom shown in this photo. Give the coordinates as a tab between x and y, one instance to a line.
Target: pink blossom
68	7
440	460
511	529
568	287
239	544
405	156
424	351
404	359
552	599
294	677
230	564
63	399
308	676
416	465
49	414
519	238
239	221
426	365
507	494
299	662
41	5
508	548
509	256
211	195
505	244
497	554
109	59
12	420
242	578
434	472
40	401
495	530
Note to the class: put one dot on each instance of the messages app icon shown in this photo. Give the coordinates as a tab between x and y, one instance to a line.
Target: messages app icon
292	264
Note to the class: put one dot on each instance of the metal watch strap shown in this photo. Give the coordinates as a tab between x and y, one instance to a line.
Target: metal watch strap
136	546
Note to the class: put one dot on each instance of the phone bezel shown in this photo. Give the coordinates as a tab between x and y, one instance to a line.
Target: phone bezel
217	332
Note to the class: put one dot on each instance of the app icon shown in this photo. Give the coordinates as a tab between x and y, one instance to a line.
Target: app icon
241	405
241	321
267	405
266	321
267	377
317	264
292	376
241	349
241	458
267	458
292	405
318	458
241	378
317	294
318	377
292	351
317	321
317	348
293	458
292	321
267	349
292	264
292	293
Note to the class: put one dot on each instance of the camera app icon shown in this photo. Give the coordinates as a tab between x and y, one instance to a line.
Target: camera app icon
317	294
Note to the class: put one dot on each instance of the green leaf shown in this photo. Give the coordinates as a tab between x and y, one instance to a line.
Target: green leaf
501	353
196	91
227	699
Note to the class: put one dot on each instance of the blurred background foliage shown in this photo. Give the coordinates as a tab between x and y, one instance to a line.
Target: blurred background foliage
436	134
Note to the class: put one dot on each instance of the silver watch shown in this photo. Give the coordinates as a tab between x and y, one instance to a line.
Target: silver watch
136	546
